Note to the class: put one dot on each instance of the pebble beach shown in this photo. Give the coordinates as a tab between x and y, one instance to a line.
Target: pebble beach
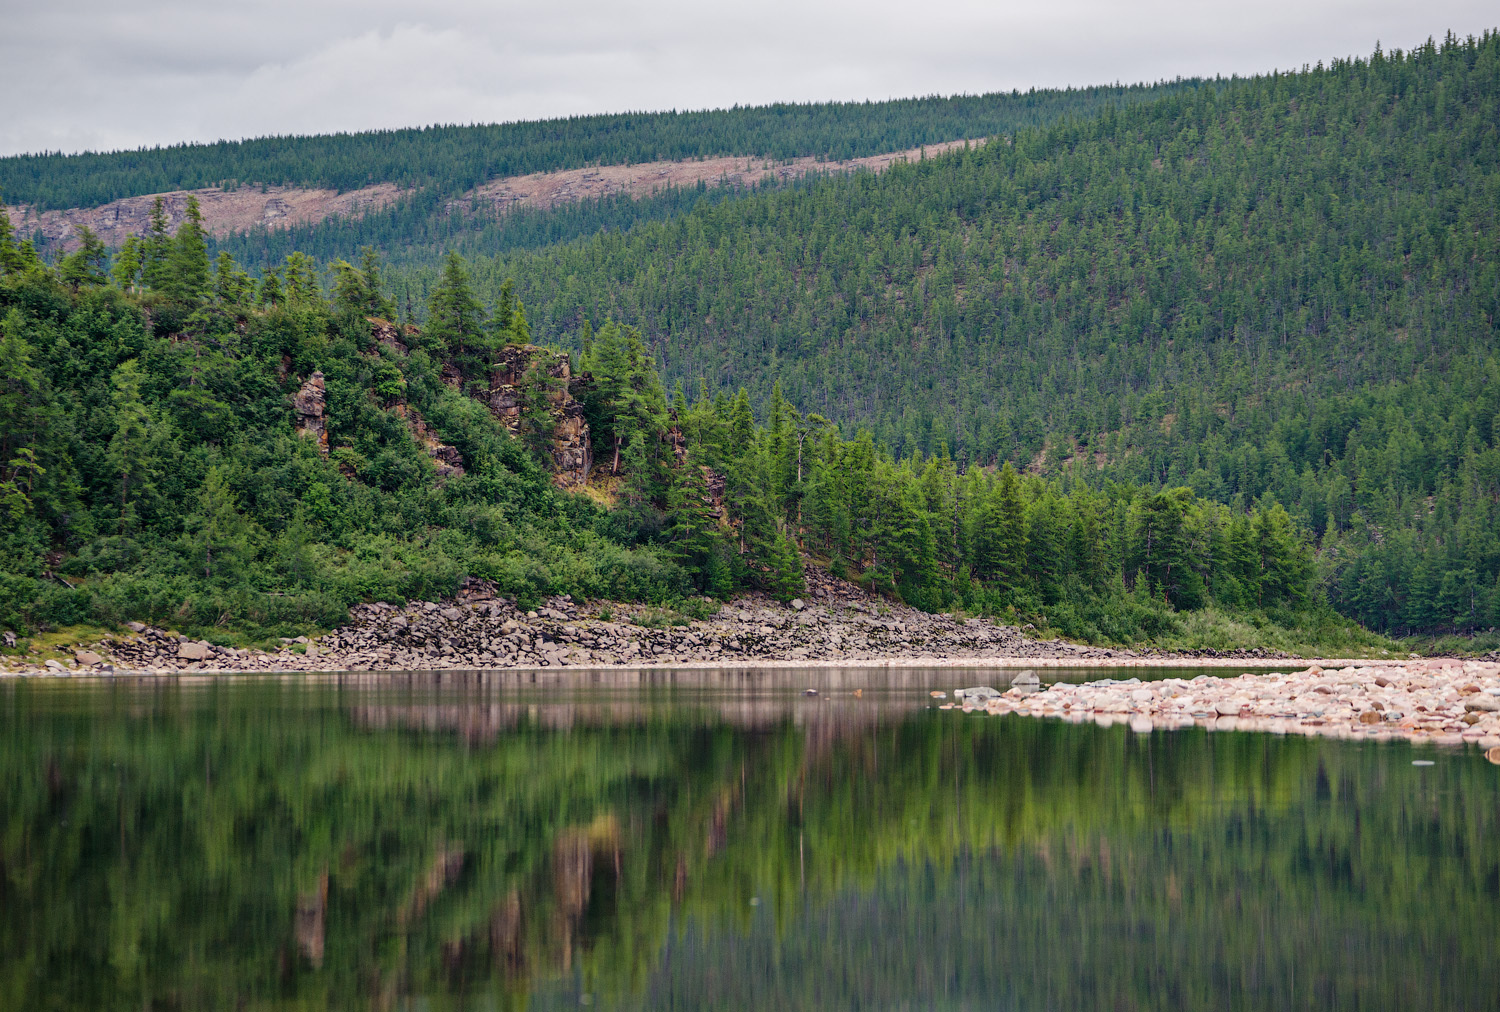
1439	701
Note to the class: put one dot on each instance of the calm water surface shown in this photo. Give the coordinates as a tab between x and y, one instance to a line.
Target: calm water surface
717	840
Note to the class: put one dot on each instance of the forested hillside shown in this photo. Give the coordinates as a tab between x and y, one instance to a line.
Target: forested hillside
1229	352
421	226
452	159
186	445
1287	287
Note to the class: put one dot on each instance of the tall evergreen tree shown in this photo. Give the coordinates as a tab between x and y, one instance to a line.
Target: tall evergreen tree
187	275
455	318
157	248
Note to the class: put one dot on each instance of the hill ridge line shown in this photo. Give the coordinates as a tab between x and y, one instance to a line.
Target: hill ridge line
226	212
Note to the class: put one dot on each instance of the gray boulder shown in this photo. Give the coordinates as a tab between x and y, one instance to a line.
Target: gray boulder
187	650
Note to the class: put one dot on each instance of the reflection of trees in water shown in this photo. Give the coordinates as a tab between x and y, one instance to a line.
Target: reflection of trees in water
263	846
824	720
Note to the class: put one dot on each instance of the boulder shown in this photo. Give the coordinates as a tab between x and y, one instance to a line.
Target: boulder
187	650
88	657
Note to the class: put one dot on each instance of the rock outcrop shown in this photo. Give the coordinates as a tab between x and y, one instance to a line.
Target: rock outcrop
518	369
388	335
309	404
676	443
445	458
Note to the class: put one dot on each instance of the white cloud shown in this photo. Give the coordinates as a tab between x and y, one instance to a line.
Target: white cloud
128	72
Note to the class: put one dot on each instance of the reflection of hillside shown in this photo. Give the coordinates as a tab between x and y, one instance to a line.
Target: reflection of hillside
822	718
437	846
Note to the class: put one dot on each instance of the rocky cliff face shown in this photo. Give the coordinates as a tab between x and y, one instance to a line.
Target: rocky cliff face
309	404
445	458
388	335
517	369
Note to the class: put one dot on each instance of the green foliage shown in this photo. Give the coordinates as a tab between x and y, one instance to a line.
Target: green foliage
187	275
88	264
155	469
1228	351
455	318
1283	289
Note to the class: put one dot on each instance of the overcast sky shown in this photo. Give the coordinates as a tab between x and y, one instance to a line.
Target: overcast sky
109	74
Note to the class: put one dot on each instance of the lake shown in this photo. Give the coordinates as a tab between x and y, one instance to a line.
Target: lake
717	840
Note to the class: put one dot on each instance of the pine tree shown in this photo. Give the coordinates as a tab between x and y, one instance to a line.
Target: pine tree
126	271
455	318
156	248
88	265
187	276
301	282
1000	541
232	286
218	534
270	288
130	433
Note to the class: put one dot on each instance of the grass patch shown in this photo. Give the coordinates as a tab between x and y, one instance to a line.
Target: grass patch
1305	634
1451	645
58	644
659	618
1134	620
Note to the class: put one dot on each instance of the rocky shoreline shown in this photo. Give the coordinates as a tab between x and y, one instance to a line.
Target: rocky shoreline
1441	702
836	623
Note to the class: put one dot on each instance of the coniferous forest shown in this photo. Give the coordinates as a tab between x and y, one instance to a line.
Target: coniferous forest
1224	350
451	159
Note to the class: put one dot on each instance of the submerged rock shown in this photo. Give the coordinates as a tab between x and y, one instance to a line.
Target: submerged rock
978	694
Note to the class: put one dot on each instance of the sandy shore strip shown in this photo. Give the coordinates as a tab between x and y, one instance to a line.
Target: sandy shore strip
1440	701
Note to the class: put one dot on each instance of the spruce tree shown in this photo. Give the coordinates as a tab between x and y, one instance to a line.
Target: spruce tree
270	294
126	271
129	437
1001	538
187	276
455	318
376	303
88	265
232	286
301	282
219	536
156	248
8	258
